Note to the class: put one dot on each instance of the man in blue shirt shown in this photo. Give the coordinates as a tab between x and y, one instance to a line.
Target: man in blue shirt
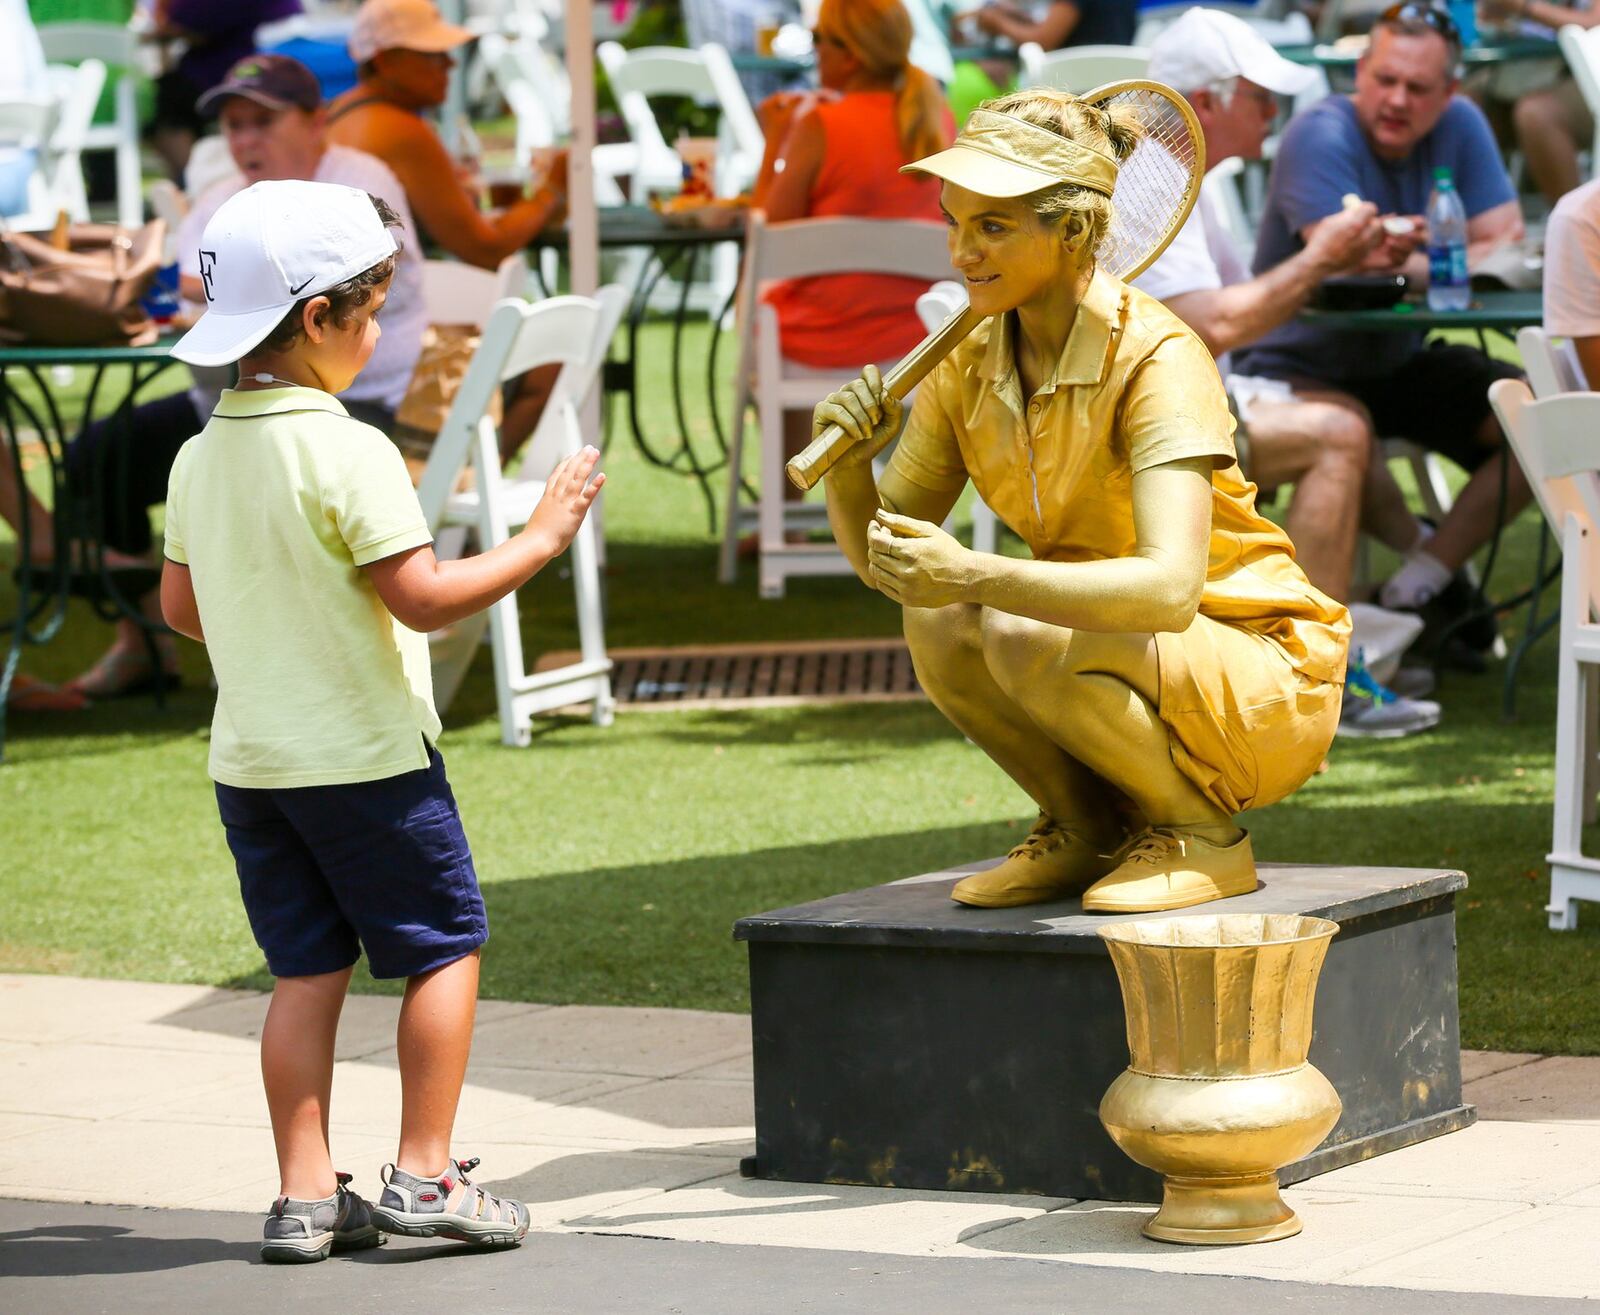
1382	144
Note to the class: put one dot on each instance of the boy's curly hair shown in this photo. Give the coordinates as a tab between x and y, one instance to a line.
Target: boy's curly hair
343	298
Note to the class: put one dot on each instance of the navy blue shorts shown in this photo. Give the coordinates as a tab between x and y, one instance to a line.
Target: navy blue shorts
328	871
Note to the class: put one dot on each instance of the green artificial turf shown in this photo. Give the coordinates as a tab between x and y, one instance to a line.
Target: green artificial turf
614	860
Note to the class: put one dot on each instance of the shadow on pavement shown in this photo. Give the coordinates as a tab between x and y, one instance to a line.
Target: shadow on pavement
56	1251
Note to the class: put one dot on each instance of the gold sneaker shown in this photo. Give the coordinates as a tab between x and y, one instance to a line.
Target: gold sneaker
1051	863
1164	868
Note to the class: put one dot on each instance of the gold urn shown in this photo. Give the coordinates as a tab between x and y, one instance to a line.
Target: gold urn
1218	1095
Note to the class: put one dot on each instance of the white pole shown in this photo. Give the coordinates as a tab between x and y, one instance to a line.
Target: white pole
583	221
453	113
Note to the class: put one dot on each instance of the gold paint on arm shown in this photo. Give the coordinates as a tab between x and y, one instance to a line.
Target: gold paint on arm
1156	589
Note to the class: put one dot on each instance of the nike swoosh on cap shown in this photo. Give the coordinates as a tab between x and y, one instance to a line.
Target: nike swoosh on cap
295	292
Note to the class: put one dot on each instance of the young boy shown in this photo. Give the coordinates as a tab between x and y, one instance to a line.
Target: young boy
297	552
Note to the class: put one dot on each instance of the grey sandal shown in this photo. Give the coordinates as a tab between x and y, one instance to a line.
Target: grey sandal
420	1207
301	1232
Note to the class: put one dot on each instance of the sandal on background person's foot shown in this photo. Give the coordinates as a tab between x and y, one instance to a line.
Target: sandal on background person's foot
28	694
122	674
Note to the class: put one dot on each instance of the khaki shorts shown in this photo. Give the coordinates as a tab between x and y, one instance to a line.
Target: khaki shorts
1247	728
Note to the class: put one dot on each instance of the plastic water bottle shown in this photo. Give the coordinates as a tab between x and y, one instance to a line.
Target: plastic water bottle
1448	288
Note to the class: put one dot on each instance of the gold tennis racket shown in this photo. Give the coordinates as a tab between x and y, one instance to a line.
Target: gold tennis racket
1156	189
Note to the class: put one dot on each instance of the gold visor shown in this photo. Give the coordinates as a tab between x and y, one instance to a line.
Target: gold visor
1001	155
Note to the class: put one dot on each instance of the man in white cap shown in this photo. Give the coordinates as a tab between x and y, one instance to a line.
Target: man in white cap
1233	77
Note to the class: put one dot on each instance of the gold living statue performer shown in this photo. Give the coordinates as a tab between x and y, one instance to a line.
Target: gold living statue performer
1161	663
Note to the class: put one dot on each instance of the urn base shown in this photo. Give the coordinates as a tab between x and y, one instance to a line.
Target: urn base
1222	1211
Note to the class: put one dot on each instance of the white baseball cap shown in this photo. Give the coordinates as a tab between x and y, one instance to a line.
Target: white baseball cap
268	247
1207	45
401	25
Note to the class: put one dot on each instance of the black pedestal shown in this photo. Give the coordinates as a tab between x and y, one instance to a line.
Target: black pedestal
903	1040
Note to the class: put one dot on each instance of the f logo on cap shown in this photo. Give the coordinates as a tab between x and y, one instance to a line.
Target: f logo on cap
208	262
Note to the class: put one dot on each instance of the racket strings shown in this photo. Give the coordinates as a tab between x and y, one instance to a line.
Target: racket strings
1156	184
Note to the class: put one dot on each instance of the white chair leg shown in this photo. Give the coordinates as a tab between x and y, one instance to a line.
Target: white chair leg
727	562
130	194
1574	712
1591	751
591	625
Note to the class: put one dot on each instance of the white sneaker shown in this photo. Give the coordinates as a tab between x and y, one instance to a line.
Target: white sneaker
1374	712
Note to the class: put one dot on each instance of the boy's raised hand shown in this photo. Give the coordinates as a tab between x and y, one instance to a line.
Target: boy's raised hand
568	494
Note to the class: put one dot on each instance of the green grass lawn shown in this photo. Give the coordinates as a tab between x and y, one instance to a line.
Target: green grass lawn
615	860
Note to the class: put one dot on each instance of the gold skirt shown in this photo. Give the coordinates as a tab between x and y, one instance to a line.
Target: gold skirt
1247	728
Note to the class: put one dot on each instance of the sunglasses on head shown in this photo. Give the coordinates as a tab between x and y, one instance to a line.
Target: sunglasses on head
1410	11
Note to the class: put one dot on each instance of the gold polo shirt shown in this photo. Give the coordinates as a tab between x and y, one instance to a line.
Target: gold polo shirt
1134	388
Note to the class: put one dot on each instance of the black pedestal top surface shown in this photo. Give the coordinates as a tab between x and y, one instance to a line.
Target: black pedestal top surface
918	911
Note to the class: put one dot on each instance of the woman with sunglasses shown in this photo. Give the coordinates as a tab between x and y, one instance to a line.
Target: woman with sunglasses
1161	663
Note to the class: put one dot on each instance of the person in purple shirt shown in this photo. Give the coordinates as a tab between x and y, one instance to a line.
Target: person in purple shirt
1382	144
217	33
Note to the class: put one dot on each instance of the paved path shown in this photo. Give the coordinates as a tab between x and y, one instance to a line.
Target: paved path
82	1259
631	1122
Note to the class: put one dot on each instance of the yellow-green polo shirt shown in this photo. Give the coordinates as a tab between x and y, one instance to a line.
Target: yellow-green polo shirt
275	506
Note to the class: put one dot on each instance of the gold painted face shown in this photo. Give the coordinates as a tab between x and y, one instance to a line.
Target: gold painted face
1003	252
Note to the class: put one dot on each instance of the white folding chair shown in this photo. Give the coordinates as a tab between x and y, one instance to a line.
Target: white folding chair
27	124
1550	363
934	307
707	76
801	248
532	78
116	47
1079	68
1581	46
1555	440
57	182
168	204
574	332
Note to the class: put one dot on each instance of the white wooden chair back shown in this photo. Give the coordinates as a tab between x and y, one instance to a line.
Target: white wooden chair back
1581	46
1551	446
707	75
575	333
1080	68
168	204
76	90
534	83
118	48
1222	189
210	161
1551	364
1557	440
454	293
801	248
930	41
942	300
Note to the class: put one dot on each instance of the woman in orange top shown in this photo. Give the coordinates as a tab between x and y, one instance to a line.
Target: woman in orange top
841	153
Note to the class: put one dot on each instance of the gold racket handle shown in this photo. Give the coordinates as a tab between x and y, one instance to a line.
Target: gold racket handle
806	470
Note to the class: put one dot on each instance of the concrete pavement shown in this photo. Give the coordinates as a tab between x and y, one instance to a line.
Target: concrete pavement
630	1123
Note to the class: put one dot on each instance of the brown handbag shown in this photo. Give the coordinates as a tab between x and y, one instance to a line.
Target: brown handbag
86	295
